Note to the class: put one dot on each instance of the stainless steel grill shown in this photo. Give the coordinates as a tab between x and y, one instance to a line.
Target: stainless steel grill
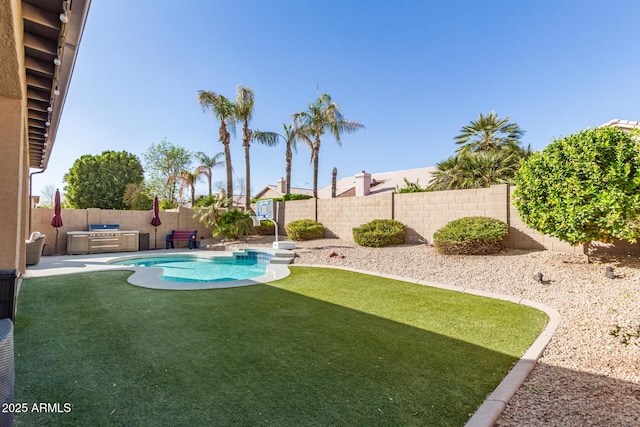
102	238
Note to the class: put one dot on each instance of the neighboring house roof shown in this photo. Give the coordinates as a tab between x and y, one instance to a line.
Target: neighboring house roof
274	189
380	182
622	124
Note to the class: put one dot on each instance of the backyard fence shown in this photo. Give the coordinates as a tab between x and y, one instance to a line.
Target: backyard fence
80	219
422	213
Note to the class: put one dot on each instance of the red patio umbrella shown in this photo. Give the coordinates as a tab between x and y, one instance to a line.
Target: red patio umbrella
156	221
56	221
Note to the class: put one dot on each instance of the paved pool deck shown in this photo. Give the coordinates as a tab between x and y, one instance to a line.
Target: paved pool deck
149	277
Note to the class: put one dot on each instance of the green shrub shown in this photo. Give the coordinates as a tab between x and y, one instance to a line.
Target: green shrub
296	196
266	228
293	196
232	224
165	205
304	229
583	187
379	232
410	187
205	200
476	235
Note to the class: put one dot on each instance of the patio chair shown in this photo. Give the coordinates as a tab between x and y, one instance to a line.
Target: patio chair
35	246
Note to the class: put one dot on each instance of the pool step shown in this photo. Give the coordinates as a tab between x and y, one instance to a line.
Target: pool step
281	256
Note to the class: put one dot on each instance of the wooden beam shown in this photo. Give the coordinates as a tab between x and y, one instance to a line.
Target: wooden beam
35	115
37	105
40	16
39	65
40	44
39	82
38	95
36	124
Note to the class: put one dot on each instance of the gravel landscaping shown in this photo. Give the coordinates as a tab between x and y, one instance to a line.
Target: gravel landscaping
585	376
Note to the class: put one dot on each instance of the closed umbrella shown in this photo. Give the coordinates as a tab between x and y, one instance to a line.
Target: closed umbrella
56	221
156	221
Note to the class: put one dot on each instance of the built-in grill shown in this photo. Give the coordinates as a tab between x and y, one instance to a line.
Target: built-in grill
102	238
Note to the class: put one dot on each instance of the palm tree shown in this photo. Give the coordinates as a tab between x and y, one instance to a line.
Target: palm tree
291	136
494	167
207	164
476	170
449	174
225	112
322	116
187	180
245	101
489	133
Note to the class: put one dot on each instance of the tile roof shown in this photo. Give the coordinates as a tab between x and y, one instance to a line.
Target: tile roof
622	124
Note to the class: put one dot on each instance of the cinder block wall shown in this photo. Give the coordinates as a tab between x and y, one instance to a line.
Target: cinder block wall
80	219
293	210
523	237
424	213
340	215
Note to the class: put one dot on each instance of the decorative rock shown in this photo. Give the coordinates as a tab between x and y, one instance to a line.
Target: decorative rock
538	277
609	272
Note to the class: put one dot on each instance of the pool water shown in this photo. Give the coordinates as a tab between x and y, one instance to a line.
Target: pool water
194	269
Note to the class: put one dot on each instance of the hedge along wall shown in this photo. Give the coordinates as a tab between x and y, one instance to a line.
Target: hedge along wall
79	220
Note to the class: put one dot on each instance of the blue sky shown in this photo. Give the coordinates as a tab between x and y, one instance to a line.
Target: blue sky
413	72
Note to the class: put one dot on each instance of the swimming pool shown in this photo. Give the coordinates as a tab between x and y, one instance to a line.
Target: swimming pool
188	268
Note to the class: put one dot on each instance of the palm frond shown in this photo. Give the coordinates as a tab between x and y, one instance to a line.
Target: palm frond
488	133
269	139
245	101
220	106
210	162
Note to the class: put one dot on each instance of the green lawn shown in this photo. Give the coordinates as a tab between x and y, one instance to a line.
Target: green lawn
321	347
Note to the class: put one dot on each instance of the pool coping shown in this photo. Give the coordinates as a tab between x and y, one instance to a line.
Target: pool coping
495	403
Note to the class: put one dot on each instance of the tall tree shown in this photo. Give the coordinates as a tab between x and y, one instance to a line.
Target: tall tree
583	188
487	133
47	194
207	164
245	101
161	161
100	181
476	170
136	197
186	180
491	153
449	174
224	112
290	136
322	116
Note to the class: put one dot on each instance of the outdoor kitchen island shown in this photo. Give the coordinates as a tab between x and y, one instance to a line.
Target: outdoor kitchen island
102	238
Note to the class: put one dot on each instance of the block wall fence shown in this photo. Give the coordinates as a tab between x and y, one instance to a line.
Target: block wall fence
79	220
422	213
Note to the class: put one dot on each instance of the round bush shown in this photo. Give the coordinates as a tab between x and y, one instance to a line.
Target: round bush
304	229
266	228
476	235
379	232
